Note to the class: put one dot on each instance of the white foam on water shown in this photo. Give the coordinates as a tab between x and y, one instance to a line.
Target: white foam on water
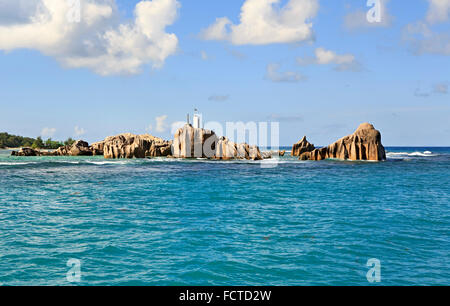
409	154
424	154
352	161
14	163
107	162
67	162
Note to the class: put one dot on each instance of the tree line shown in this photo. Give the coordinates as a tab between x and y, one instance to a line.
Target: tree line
13	141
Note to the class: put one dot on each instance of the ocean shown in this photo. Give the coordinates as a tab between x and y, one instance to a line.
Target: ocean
197	222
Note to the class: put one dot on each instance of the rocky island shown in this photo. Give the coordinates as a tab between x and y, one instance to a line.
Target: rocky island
363	144
189	142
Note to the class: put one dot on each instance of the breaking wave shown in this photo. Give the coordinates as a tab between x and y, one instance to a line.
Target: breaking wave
411	154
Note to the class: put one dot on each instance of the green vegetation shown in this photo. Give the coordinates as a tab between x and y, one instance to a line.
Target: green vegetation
38	143
13	141
69	141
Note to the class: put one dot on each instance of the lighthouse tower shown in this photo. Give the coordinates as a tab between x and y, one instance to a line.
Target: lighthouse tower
197	120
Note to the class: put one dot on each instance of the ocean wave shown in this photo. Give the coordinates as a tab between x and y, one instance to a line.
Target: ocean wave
14	163
410	154
63	162
38	162
107	162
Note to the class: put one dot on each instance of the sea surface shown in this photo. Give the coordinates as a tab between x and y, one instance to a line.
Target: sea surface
198	222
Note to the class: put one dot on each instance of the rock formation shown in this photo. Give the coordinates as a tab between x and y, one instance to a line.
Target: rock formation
190	142
227	150
97	148
32	152
26	152
364	144
79	148
301	147
133	146
268	155
255	154
120	146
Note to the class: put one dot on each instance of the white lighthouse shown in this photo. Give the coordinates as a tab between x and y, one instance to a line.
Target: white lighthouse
197	120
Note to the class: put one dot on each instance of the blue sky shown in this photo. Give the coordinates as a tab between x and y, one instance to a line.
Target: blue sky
394	74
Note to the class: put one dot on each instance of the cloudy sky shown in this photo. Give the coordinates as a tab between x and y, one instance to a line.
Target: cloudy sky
316	66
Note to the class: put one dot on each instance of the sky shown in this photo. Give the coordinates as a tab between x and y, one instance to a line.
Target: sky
318	67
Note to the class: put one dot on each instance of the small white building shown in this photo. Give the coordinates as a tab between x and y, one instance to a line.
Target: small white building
197	120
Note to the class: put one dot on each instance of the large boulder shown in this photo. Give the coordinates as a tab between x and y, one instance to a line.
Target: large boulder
159	149
79	148
268	154
255	154
135	146
26	152
63	151
190	142
301	147
364	144
97	148
227	150
243	151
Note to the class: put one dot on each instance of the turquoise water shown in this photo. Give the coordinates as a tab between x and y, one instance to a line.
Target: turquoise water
173	222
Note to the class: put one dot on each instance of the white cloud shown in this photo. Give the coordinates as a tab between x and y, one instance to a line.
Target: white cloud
358	19
266	22
273	74
79	131
438	11
438	88
441	88
218	30
48	132
285	118
161	125
219	98
16	11
325	57
237	54
175	126
204	55
98	42
422	39
345	62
